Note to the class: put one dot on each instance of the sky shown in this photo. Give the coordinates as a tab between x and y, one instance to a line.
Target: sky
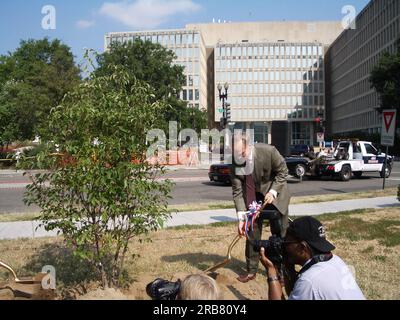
83	23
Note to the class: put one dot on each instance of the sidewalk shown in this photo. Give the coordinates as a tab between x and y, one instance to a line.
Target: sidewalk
30	229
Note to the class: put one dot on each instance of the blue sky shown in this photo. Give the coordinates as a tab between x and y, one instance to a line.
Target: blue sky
83	23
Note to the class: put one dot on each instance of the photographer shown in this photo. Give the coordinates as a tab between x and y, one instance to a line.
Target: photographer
323	276
199	287
193	287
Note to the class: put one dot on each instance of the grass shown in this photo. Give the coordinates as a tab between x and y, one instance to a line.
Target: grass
368	240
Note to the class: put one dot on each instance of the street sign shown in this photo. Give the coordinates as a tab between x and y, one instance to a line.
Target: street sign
221	110
388	128
320	137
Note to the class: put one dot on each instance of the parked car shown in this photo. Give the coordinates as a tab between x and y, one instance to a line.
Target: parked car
301	150
220	173
298	167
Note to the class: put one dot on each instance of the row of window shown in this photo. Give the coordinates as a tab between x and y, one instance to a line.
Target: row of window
267	114
184	53
171	39
292	88
275	50
270	76
190	95
277	101
269	63
358	122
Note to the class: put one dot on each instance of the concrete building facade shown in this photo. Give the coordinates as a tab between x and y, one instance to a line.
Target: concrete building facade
275	71
351	102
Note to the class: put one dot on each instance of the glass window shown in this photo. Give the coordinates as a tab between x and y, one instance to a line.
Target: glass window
184	39
244	51
190	82
196	38
228	51
223	51
184	94
245	63
190	95
250	63
256	51
197	95
196	81
190	38
250	76
250	51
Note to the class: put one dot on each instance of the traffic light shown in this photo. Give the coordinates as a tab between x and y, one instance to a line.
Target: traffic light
228	112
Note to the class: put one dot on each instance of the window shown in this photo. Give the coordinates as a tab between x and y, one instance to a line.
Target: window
190	38
184	94
196	38
197	95
190	95
190	82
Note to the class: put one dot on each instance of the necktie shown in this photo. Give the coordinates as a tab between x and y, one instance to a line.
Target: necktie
250	190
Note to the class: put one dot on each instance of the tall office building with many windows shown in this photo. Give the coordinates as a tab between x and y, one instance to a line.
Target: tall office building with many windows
351	102
275	71
188	46
273	82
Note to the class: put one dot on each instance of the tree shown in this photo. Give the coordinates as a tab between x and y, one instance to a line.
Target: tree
34	79
385	79
154	64
100	191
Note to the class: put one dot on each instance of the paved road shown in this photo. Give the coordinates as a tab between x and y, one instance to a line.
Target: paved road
192	186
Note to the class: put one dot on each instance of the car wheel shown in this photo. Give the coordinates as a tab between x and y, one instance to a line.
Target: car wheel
345	174
358	174
388	172
300	171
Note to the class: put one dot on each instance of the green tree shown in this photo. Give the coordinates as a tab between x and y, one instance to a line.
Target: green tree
385	79
34	79
100	191
154	64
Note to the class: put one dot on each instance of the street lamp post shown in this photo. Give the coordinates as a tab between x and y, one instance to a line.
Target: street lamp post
223	97
224	120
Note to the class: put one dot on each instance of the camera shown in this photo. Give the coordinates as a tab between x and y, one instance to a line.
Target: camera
161	289
273	248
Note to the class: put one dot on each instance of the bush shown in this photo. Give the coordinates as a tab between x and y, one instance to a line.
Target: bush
94	194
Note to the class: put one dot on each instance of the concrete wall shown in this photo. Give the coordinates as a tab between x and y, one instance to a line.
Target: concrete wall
271	31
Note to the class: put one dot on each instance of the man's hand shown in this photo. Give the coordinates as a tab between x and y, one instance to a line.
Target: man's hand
269	198
241	228
265	261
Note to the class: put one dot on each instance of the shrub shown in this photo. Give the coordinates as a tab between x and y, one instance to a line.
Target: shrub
94	194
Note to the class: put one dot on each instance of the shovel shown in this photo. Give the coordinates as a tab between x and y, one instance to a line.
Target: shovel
24	287
228	259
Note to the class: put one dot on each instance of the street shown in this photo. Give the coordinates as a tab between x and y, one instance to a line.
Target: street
193	186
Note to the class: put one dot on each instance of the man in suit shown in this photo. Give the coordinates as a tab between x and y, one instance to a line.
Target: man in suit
259	173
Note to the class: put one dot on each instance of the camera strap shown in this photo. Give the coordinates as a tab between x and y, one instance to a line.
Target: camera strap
316	259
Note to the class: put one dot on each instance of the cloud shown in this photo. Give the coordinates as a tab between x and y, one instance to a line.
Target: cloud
84	24
147	14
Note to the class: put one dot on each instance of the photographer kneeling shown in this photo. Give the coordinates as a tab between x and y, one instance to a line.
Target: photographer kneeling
323	276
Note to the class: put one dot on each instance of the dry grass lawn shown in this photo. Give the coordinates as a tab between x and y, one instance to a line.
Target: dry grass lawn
369	241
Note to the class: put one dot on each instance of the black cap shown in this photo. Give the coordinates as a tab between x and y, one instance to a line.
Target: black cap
310	230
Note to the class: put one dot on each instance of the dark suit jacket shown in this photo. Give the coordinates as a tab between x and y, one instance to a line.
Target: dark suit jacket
270	172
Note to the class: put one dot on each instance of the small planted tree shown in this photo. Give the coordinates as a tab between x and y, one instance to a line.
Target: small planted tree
100	192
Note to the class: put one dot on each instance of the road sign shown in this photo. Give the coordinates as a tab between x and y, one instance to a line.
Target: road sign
388	128
320	137
221	110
